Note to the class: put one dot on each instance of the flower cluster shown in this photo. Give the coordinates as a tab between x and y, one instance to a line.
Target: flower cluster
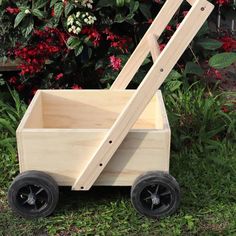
117	41
229	44
93	35
222	2
12	10
115	63
49	43
86	3
75	21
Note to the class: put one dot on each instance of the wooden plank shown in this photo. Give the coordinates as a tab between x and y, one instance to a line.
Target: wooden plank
140	53
94	109
140	151
161	68
191	2
154	47
34	105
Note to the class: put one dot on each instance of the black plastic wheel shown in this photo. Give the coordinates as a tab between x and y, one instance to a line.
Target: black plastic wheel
33	194
155	194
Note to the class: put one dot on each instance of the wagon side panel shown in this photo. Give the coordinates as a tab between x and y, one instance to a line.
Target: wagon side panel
58	153
139	152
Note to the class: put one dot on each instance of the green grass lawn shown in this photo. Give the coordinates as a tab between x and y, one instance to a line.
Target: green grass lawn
208	205
204	167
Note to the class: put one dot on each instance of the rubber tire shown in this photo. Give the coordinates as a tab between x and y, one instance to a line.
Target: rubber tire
33	177
150	178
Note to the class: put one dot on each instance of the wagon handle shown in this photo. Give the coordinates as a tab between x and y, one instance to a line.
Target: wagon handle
162	66
148	44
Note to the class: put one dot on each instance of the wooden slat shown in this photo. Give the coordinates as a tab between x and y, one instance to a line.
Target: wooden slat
191	2
140	53
154	47
160	69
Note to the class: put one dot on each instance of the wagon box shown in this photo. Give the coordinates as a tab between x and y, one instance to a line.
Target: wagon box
62	129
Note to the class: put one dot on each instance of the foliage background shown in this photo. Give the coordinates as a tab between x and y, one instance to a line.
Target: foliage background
104	34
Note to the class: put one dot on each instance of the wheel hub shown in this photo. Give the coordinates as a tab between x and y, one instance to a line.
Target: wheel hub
155	199
31	199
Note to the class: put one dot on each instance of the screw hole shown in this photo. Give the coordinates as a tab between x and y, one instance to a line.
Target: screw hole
203	8
100	164
110	141
82	187
161	70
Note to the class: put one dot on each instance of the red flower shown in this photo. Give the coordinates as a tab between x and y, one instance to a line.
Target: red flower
93	35
224	109
52	12
214	73
33	91
12	80
75	86
48	42
117	41
59	76
12	10
162	46
169	28
20	87
222	2
229	44
115	63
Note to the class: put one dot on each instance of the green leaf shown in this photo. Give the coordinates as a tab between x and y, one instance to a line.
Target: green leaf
105	3
193	68
173	85
53	2
68	8
73	42
40	3
78	50
133	7
30	25
20	16
174	75
209	44
204	30
120	3
145	9
119	18
58	9
38	13
222	60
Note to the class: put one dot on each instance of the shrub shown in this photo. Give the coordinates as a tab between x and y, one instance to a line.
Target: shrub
85	43
11	111
199	119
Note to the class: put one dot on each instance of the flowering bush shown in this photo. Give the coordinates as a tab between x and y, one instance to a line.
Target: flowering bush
84	43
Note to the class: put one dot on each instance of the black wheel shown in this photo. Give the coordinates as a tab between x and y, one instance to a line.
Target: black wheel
155	194
33	194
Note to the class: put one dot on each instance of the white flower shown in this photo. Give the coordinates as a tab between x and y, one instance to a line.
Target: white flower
78	14
87	3
27	11
70	29
70	20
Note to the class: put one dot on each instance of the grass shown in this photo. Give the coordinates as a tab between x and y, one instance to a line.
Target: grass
204	165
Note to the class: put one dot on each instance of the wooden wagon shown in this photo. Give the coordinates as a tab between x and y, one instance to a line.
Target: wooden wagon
113	137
